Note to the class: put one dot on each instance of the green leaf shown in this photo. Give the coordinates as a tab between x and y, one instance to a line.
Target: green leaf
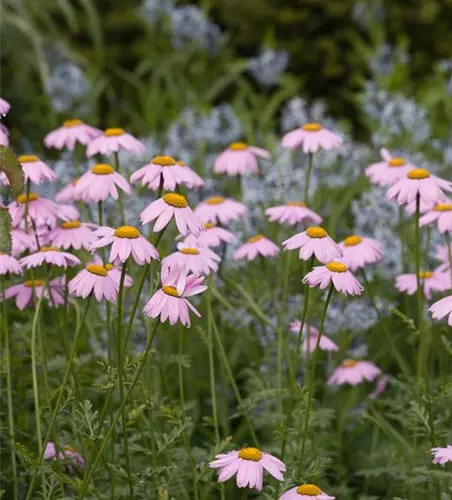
5	230
13	170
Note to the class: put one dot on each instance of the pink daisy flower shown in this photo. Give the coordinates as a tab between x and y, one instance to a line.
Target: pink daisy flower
68	453
126	241
442	254
239	159
72	234
191	179
292	213
113	272
4	136
442	308
168	206
424	207
170	302
196	260
337	273
68	213
389	171
21	241
314	241
441	214
3	179
431	281
358	252
36	170
67	193
99	183
212	237
380	388
49	255
354	372
311	334
306	492
5	106
9	264
41	210
249	465
24	293
311	136
257	245
217	209
94	279
442	455
418	181
69	134
114	140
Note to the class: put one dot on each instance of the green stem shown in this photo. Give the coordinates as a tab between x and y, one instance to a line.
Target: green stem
419	295
308	178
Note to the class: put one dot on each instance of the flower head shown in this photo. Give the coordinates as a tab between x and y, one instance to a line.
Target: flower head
40	210
292	213
99	183
306	492
4	136
67	454
195	259
25	292
337	273
94	279
22	241
311	137
441	213
49	255
69	134
311	335
218	209
72	234
113	140
212	237
67	193
239	159
388	171
257	245
442	455
35	170
354	372
380	387
442	308
431	281
9	265
5	106
358	252
314	241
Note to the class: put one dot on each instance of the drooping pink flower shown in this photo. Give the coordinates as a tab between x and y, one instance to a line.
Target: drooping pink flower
441	214
68	213
169	206
212	237
67	454
337	273
218	209
354	372
3	179
67	193
358	252
49	255
99	183
36	170
94	279
442	455
191	179
113	272
388	171
125	241
239	159
431	281
196	260
72	234
419	181
314	241
311	335
171	301
5	106
442	254
249	465
41	210
292	213
114	140
306	492
380	388
311	136
9	264
442	308
257	245
24	293
22	241
4	136
410	208
69	134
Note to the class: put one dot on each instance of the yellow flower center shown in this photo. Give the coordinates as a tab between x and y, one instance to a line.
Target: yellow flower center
295	204
111	132
443	207
108	267
336	267
49	249
349	363
209	225
311	490
72	123
351	241
425	275
32	283
214	200
128	232
181	163
258	237
164	161
238	146
175	200
316	232
69	448
28	158
102	169
74	182
418	173
397	162
22	198
97	270
189	251
170	290
312	127
252	454
72	224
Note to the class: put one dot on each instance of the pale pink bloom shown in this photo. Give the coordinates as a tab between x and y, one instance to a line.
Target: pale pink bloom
239	159
24	293
358	252
49	255
292	213
441	214
169	206
5	106
380	388
67	454
249	465
191	179
311	137
113	272
419	181
114	140
35	170
442	455
21	241
170	302
306	492
72	234
354	372
442	308
314	241
212	237
257	245
311	335
9	264
431	281
388	171
4	136
41	210
410	208
337	273
67	193
3	179
196	260
99	183
94	279
68	212
217	209
442	254
125	241
71	133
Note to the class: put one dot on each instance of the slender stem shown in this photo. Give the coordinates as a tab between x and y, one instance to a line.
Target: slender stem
308	178
9	393
419	295
100	213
